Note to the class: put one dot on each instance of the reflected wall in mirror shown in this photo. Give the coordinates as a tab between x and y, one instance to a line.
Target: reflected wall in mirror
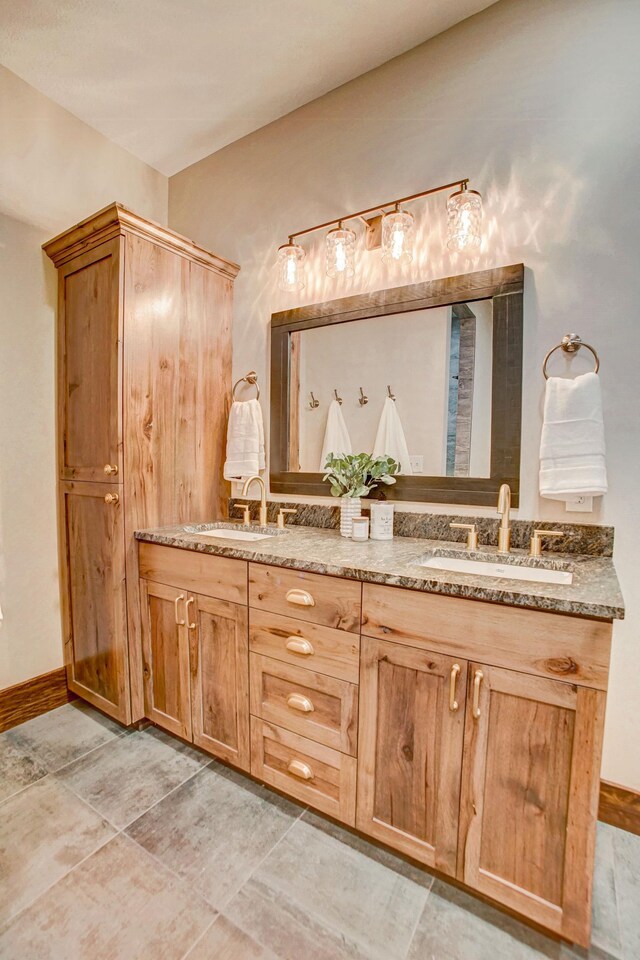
436	362
450	352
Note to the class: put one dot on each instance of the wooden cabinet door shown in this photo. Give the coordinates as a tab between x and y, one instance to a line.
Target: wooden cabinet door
530	795
94	595
89	366
410	750
220	678
165	651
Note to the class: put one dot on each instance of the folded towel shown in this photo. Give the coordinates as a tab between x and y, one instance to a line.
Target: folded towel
572	448
390	440
336	435
245	440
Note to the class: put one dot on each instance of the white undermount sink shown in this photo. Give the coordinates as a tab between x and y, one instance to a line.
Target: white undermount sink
234	531
498	570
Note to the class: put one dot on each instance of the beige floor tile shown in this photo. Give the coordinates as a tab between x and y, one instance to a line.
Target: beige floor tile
44	832
117	905
62	735
224	941
17	769
126	776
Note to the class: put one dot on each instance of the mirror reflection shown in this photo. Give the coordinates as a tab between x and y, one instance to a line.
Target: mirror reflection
415	386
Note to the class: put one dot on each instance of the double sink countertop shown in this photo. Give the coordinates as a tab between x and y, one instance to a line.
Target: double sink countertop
594	592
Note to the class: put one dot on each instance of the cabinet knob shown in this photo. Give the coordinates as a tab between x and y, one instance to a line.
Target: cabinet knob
111	469
112	498
300	769
299	702
301	597
299	645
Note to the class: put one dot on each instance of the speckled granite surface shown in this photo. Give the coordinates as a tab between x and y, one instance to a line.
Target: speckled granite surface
580	538
594	592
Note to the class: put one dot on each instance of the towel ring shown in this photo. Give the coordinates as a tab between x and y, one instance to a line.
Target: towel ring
571	343
251	378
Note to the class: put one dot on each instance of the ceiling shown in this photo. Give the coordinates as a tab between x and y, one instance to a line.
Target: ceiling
174	80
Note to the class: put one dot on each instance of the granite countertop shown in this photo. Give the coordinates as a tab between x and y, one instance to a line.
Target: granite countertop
595	591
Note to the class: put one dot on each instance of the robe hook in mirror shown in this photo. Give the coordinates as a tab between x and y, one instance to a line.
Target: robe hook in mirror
339	399
391	396
362	399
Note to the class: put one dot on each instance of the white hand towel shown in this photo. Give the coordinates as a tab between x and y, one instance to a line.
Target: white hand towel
336	435
572	449
390	439
245	440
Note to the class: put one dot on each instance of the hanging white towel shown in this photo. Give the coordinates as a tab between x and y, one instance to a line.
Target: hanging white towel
572	449
336	435
390	440
245	440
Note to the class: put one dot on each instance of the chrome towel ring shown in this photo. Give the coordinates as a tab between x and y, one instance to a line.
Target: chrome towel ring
571	343
251	378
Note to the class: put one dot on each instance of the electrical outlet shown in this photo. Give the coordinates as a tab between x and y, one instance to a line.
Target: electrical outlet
417	463
579	505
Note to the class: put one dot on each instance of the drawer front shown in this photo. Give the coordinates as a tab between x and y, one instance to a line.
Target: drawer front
217	577
545	644
306	596
324	649
308	771
315	706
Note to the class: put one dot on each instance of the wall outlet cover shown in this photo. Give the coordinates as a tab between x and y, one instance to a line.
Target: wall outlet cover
579	505
417	462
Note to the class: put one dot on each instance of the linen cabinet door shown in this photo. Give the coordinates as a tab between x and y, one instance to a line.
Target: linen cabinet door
90	365
165	653
93	595
220	678
410	750
530	795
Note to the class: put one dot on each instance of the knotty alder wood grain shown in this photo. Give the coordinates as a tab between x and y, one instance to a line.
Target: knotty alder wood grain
29	699
336	602
330	651
620	807
202	573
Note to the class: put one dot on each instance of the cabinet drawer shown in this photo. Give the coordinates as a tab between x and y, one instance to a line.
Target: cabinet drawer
306	596
308	771
309	703
330	651
218	577
545	644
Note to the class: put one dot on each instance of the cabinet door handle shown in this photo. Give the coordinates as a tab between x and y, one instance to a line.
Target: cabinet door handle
477	680
300	769
453	703
299	702
300	645
191	600
179	622
111	469
301	597
112	498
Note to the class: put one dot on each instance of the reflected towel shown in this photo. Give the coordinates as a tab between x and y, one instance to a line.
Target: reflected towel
572	448
245	440
336	435
390	439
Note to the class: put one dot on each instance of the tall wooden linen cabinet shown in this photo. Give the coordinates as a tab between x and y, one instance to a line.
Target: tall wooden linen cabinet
143	375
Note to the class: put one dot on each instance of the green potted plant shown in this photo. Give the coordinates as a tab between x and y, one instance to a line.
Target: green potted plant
353	476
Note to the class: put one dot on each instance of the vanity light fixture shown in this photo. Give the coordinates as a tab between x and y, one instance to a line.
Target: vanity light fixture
392	228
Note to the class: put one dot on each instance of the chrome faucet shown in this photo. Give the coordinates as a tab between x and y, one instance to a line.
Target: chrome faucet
504	506
263	497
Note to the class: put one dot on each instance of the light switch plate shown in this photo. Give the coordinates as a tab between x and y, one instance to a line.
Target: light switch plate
579	505
417	462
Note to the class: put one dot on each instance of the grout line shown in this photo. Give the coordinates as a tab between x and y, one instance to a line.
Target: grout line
195	943
418	919
83	800
155	803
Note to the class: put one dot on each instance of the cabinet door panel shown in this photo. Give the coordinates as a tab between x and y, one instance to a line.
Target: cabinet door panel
532	749
165	646
410	750
94	596
89	364
220	679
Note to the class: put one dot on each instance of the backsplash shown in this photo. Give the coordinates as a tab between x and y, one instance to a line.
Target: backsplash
580	538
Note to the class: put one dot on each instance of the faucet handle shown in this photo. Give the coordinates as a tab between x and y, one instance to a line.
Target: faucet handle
281	513
472	533
535	550
246	511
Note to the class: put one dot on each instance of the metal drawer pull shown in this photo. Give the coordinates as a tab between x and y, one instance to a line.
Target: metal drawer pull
298	702
477	680
301	597
453	703
300	645
300	769
191	600
179	623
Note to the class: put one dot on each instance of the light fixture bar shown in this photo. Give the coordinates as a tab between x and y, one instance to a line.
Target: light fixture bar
379	206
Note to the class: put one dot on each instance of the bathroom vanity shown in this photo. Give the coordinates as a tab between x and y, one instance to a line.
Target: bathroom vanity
456	719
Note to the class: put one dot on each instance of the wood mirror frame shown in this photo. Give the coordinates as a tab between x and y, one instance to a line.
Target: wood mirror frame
504	285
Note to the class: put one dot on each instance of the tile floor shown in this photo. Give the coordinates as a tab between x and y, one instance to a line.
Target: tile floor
119	845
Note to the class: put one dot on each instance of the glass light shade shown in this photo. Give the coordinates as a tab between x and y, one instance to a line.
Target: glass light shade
340	249
464	216
291	267
398	230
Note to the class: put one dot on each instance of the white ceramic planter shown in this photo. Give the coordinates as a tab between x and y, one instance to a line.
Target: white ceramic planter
350	507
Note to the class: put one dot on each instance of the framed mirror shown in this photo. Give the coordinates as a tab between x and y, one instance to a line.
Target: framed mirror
448	355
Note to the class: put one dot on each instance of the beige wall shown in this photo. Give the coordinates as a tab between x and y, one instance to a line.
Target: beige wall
537	101
54	170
